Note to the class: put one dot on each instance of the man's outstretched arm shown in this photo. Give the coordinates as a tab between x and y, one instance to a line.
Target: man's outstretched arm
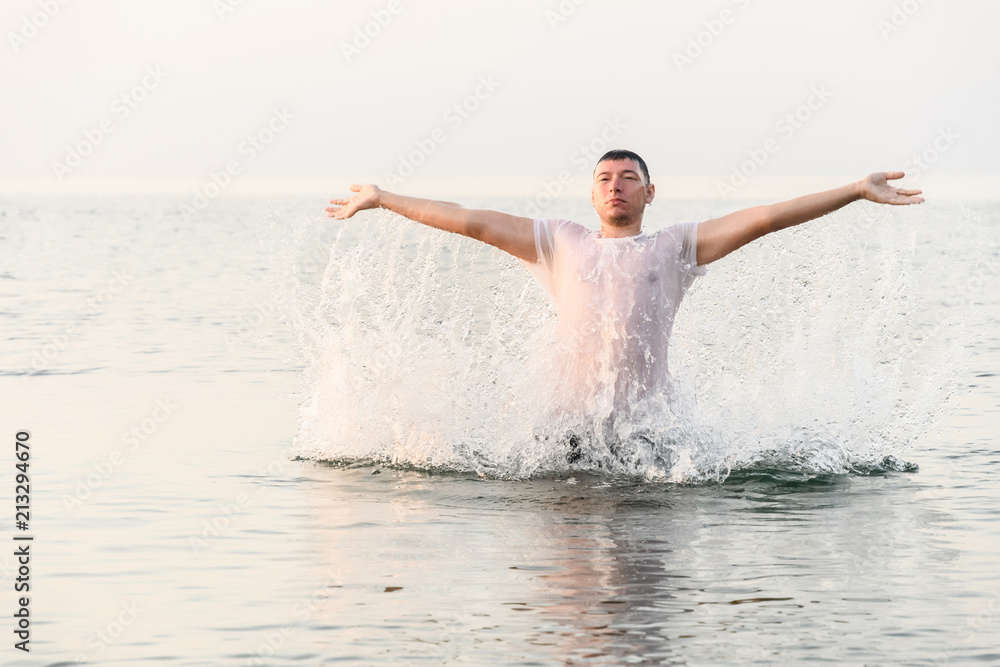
720	236
510	233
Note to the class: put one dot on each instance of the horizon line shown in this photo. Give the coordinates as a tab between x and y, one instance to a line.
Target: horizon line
670	186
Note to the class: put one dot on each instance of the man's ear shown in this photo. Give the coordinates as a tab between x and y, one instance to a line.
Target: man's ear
650	193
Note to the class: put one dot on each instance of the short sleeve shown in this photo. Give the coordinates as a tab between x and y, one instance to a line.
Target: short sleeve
685	236
545	252
689	249
545	244
551	239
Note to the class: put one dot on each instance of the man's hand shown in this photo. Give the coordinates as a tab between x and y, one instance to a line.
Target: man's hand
369	196
877	189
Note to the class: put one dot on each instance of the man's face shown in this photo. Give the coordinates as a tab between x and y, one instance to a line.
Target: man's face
619	193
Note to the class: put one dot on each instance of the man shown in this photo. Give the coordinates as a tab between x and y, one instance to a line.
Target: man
617	290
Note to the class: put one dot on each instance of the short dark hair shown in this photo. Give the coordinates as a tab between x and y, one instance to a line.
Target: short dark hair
622	154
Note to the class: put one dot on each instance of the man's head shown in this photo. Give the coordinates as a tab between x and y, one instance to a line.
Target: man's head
621	191
622	154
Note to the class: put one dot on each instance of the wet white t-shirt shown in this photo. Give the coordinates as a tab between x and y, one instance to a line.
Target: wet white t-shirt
616	299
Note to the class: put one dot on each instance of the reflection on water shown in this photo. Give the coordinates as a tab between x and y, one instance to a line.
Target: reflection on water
760	570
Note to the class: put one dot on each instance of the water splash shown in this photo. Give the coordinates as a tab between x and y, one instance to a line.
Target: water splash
807	351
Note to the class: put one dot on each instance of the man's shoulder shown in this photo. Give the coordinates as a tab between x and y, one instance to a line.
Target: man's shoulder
680	232
561	228
680	242
561	222
678	239
677	229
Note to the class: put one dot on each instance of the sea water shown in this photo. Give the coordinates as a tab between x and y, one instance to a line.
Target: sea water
264	437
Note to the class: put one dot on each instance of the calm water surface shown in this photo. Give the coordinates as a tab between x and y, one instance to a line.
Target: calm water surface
173	527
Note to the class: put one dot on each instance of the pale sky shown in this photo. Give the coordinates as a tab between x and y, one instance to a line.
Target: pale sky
812	88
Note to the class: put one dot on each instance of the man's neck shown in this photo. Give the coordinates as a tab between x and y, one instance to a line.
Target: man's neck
611	231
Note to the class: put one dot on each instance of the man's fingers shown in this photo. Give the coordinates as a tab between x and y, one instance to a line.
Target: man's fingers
348	207
909	192
893	175
337	212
